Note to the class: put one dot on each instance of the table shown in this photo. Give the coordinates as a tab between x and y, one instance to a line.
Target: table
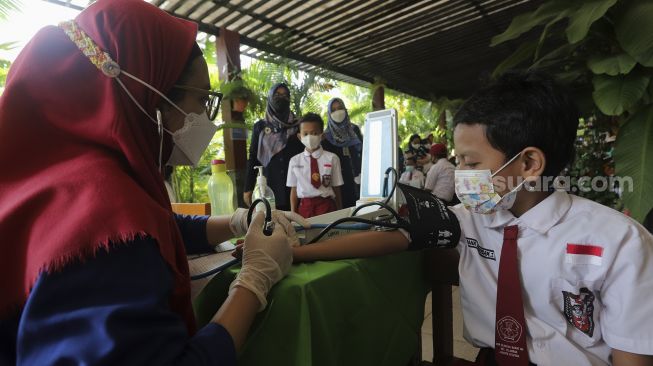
349	312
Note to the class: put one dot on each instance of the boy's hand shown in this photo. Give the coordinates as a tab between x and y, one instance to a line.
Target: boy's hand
247	198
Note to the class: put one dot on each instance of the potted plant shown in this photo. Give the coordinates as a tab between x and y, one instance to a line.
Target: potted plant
239	94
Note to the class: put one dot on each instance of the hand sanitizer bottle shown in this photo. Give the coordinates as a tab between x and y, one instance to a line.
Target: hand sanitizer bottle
262	190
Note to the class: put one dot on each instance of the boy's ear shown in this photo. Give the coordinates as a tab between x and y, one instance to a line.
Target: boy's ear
533	163
299	135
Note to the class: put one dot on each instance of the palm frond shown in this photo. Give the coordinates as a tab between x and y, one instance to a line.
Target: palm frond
8	6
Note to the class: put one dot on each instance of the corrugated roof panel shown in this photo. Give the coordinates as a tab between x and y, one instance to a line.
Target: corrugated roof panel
422	47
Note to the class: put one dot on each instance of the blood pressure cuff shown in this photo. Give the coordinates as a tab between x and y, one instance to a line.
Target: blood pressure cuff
430	223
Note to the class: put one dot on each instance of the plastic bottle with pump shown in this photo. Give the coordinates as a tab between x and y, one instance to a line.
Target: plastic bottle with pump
221	189
262	190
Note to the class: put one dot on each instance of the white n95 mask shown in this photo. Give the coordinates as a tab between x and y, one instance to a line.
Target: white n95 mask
311	141
475	190
191	140
338	116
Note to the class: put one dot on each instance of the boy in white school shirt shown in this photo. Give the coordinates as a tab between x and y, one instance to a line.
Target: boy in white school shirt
314	175
546	277
412	176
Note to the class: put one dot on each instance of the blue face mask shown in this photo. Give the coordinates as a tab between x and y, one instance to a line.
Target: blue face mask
410	168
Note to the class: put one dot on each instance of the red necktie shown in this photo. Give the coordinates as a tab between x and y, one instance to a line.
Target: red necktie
315	173
510	328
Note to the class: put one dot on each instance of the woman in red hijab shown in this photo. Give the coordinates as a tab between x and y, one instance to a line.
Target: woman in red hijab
93	265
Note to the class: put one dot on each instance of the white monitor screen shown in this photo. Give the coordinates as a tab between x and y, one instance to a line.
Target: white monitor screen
379	152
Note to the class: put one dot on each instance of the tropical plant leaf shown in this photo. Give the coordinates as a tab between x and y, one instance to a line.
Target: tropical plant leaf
615	94
554	57
521	54
210	53
569	76
583	18
633	154
611	65
234	125
525	22
7	46
7	6
634	30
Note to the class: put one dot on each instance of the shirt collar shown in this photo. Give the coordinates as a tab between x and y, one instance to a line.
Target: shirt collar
540	218
316	154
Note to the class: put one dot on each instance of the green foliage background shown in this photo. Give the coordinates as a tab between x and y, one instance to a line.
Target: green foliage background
603	50
310	92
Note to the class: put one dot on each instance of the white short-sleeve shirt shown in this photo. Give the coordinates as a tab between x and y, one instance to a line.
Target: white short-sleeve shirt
586	273
413	179
299	174
440	180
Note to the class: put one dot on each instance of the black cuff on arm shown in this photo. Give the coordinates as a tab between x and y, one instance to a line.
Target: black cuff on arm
430	223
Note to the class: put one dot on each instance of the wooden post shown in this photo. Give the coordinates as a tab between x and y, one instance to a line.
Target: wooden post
378	98
235	139
442	123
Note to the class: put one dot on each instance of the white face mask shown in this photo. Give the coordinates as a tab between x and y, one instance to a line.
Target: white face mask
415	146
338	116
311	141
191	140
475	190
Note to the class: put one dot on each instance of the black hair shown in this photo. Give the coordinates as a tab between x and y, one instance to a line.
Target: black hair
175	94
413	137
312	118
523	109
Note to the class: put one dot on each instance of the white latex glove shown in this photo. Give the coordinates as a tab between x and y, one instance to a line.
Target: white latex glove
238	223
285	219
266	259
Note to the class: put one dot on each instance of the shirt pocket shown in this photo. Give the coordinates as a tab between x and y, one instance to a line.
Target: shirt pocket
580	307
326	168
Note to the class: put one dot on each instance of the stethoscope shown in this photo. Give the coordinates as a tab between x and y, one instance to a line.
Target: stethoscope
268	224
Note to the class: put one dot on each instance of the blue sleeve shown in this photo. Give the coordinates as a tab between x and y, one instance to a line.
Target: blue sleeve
113	310
193	232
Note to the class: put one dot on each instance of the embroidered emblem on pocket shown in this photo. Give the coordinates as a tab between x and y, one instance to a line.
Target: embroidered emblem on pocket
579	310
326	180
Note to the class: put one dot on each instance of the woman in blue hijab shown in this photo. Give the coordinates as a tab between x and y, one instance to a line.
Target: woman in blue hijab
274	142
344	139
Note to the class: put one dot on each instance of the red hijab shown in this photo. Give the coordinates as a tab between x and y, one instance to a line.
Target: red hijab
79	160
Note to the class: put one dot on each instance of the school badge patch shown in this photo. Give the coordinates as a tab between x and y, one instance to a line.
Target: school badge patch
326	180
509	329
579	310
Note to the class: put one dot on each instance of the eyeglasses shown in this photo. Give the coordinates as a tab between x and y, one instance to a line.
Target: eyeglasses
212	103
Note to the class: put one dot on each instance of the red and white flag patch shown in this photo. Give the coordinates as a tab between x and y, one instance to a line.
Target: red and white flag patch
584	254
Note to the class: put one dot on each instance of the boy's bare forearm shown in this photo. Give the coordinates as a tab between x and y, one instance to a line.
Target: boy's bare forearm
293	199
358	245
338	198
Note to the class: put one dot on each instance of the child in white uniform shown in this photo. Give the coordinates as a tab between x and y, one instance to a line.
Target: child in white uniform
585	271
314	175
412	176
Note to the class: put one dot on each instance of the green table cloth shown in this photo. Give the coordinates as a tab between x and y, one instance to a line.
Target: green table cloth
348	312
